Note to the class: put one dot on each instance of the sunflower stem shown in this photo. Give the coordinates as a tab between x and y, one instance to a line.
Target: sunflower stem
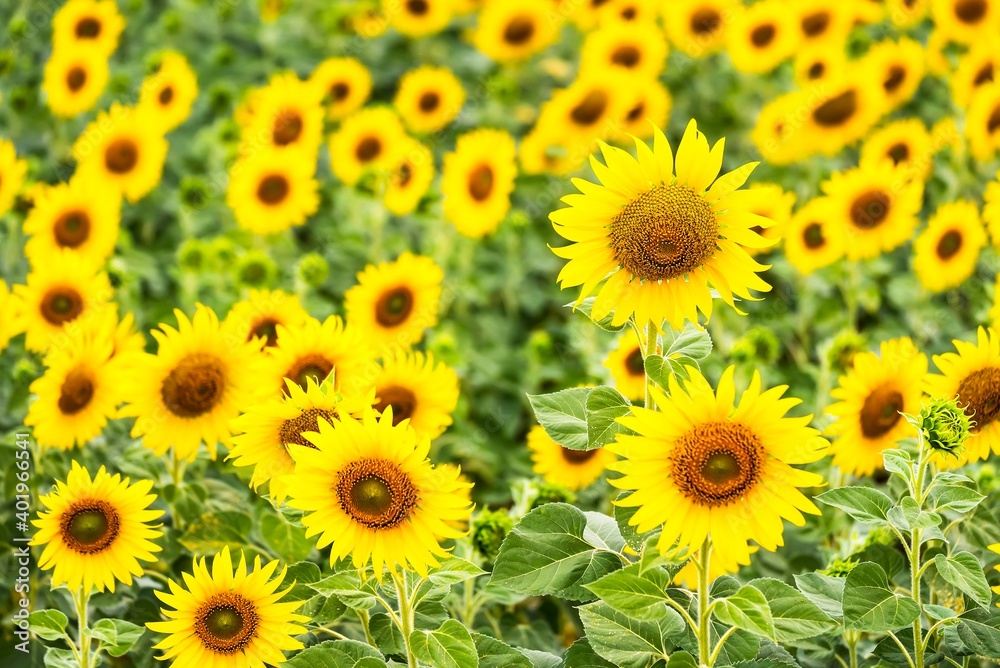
81	599
405	616
650	350
916	572
705	657
852	638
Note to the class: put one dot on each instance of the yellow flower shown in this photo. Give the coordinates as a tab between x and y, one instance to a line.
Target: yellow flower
418	390
982	123
977	67
258	317
659	239
945	253
572	469
841	113
369	492
824	24
592	107
74	79
966	21
511	30
344	84
370	140
762	36
545	150
651	109
777	133
429	98
899	66
287	117
272	190
630	49
12	173
905	143
818	63
907	13
698	27
410	178
626	11
627	367
419	18
314	350
870	398
93	25
704	469
811	239
227	618
11	323
477	181
96	531
169	93
770	201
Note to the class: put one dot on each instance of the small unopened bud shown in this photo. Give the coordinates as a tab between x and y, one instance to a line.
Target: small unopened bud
945	426
489	528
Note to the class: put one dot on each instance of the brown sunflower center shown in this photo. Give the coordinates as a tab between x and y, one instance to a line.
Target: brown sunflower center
519	31
76	392
314	366
838	110
979	392
894	78
273	189
705	21
376	493
870	209
194	386
339	91
394	306
60	305
89	526
664	233
993	124
287	127
949	244
266	329
76	78
71	229
368	149
816	70
634	363
816	23
971	11
984	75
121	156
88	28
417	7
590	109
481	183
405	174
880	412
226	623
763	35
402	400
812	236
577	456
291	430
717	463
429	101
166	96
899	153
626	56
636	112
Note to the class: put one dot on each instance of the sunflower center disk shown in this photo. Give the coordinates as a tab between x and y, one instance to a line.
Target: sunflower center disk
287	128
984	75
519	31
970	11
88	28
763	35
717	463
664	233
578	456
837	110
194	386
226	623
89	526
980	393
394	307
626	56
949	244
291	430
590	109
368	149
121	156
812	236
76	78
481	183
870	209
815	24
61	305
899	153
429	101
880	412
266	329
339	91
76	392
635	364
402	400
72	229
315	367
705	21
273	189
376	493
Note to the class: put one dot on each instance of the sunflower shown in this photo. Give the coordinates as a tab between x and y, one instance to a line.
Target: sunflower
572	469
545	150
651	109
169	92
429	98
905	143
477	181
698	27
591	107
126	340
96	531
288	117
811	240
584	15
899	66
369	491
76	216
123	149
906	13
966	21
629	49
841	116
370	140
258	316
314	350
60	296
78	394
945	253
74	80
973	376
982	123
877	207
818	63
871	398
91	25
823	24
657	240
410	179
627	11
419	18
12	173
511	30
266	430
394	302
343	84
777	133
272	190
762	36
627	366
771	201
227	618
979	66
418	390
706	470
198	380
11	323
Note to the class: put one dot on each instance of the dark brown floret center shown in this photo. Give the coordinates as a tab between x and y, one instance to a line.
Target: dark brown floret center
949	244
315	367
89	526
339	91
291	430
634	363
626	56
880	412
812	236
590	109
717	463
970	11
76	78
88	28
816	23
61	305
837	110
376	493
899	153
481	183
72	228
895	78
226	623
401	399
984	75
979	393
394	306
705	21
870	209
368	149
417	7
273	189
121	156
266	329
763	35
166	96
287	127
577	457
519	31
194	386
76	392
429	101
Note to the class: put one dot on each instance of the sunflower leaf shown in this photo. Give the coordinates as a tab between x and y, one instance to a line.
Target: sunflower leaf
450	646
48	624
979	630
870	605
495	654
641	596
563	415
692	342
627	642
963	571
864	504
604	406
116	635
747	609
795	616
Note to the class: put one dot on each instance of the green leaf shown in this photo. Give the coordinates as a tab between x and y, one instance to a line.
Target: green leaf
898	461
939	611
979	630
862	503
116	635
692	342
955	498
889	652
454	570
747	609
586	307
682	660
347	588
362	654
495	654
210	532
48	624
660	369
604	406
582	655
639	597
963	571
627	642
386	634
908	516
602	532
622	516
547	553
563	415
287	540
870	605
59	658
450	646
794	615
303	574
336	654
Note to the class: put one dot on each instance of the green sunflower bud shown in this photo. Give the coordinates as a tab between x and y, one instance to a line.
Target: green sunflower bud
313	269
489	528
194	192
944	426
256	269
757	345
549	493
843	348
839	568
223	252
192	255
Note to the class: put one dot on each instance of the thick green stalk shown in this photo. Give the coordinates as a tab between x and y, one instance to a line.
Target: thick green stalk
915	570
81	599
704	603
651	335
405	617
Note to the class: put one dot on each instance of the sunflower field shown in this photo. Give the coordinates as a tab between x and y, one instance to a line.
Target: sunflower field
500	333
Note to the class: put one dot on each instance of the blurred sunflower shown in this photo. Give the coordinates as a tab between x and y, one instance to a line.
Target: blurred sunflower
410	179
906	13
75	216
93	25
770	201
572	469
651	109
272	190
314	350
369	492
702	469
966	21
591	107
169	92
973	376
547	151
632	49
982	122
979	66
123	149
698	27
418	390
394	302
877	207
419	18
227	618
429	98
945	253
905	143
126	340
258	316
627	366
823	24
899	66
344	84
370	140
96	530
287	116
762	36
11	323
843	115
511	30
74	79
12	171
477	181
63	293
811	240
658	241
187	392
818	63
777	133
628	11
870	400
